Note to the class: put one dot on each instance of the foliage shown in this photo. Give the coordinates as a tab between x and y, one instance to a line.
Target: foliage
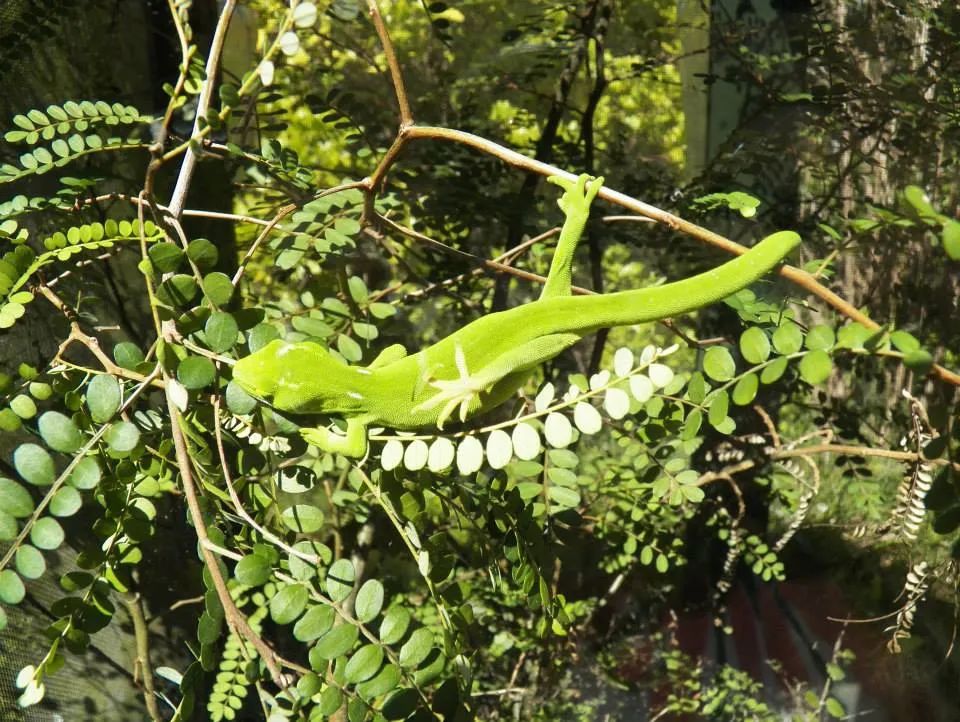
454	574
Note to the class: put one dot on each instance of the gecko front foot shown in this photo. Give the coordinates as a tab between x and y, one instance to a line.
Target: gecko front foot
460	391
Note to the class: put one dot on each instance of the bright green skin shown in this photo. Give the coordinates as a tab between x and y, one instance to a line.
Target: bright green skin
481	365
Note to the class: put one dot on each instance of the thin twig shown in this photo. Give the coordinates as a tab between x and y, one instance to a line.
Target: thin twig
179	196
796	275
234	617
399	89
143	671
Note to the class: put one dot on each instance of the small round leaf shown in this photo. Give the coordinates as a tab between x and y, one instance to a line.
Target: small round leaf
253	570
364	663
441	455
288	603
469	455
34	464
315	623
221	331
416	649
754	345
122	437
12	590
303	518
815	367
29	561
499	448
394	625
59	432
196	372
340	578
369	600
66	502
333	644
745	390
47	533
526	441
415	456
86	474
587	418
718	364
15	500
103	397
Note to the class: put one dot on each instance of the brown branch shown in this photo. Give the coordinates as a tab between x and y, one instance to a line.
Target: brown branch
850	450
142	670
406	117
796	275
235	618
179	196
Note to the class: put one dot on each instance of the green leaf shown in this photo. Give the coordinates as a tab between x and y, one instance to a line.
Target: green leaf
34	464
12	590
59	432
66	502
718	364
9	421
853	335
196	372
369	601
103	397
165	257
122	437
754	345
303	518
128	355
416	649
315	623
253	570
917	198
178	290
311	326
820	338
239	401
745	390
903	341
358	289
335	643
718	409
47	533
774	370
951	239
203	253
208	629
401	703
364	663
15	500
288	603
340	578
349	348
218	288
384	682
816	367
8	527
221	331
86	474
394	625
834	708
29	562
23	406
788	338
564	497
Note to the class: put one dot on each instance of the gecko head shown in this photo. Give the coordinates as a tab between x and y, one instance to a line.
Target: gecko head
298	377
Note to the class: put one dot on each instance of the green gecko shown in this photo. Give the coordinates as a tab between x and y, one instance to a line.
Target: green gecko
481	365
